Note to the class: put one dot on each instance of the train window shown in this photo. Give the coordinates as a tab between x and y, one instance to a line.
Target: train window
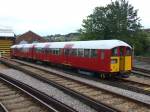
53	51
70	51
60	51
56	51
102	54
87	52
46	50
24	49
38	50
43	50
66	51
114	52
50	51
128	52
80	52
93	53
121	51
73	52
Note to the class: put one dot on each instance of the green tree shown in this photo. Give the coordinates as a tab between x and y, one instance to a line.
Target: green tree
117	20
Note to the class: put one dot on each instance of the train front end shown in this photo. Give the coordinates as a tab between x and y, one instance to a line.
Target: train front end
121	61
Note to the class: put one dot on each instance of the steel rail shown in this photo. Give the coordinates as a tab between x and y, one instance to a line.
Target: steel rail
141	71
52	104
3	108
100	107
55	74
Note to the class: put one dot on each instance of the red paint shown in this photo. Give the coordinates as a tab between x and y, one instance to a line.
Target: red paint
94	64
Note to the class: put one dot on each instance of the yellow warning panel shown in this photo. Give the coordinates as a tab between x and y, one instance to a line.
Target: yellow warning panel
114	64
128	63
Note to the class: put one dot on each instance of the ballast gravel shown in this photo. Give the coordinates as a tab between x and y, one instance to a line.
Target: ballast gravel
48	89
123	92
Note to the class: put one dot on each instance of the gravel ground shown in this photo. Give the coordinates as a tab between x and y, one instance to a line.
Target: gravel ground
2	66
49	90
143	80
127	93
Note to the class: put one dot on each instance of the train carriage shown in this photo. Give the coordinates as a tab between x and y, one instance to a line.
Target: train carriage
102	56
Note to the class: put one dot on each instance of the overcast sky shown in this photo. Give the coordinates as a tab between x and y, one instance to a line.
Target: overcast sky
47	17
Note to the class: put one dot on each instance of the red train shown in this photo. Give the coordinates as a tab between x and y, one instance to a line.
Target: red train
101	56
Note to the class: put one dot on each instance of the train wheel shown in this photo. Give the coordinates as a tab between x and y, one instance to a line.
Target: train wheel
102	76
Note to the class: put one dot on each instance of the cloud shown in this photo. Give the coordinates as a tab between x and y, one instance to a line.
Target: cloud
53	16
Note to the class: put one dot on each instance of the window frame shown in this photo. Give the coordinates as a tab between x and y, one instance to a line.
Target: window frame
81	52
114	51
95	53
102	54
88	55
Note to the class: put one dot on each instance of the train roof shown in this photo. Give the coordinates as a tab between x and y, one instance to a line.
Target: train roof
22	45
93	44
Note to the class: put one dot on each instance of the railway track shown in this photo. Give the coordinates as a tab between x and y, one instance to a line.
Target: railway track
135	84
16	96
110	98
13	99
141	72
141	58
143	61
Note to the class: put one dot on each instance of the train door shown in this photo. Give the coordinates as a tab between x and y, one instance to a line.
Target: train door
128	59
47	52
115	60
66	55
122	59
67	49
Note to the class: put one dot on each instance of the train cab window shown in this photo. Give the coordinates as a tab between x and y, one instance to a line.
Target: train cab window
80	52
87	52
93	53
102	54
114	52
128	52
121	51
